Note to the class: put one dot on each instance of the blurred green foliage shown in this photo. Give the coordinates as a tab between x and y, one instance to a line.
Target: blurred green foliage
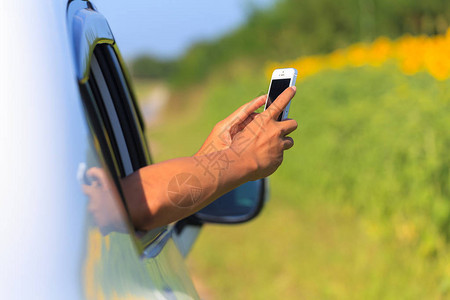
149	67
292	28
360	206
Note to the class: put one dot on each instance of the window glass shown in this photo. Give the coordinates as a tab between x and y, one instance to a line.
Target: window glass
106	210
116	128
110	114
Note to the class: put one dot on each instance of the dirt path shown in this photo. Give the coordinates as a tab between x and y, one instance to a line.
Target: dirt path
154	103
151	108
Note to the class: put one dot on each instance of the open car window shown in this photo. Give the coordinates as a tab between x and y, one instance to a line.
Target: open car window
115	120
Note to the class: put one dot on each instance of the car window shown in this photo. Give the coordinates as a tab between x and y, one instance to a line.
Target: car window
116	107
109	114
114	118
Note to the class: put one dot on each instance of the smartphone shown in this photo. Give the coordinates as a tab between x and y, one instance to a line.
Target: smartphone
281	80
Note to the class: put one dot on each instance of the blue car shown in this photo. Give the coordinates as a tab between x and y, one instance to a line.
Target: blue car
70	130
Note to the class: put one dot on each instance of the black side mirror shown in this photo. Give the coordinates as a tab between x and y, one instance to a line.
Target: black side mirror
240	205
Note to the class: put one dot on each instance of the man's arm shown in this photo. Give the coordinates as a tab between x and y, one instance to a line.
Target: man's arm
162	193
165	192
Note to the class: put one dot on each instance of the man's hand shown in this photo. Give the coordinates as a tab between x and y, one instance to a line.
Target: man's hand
104	202
263	140
252	146
222	134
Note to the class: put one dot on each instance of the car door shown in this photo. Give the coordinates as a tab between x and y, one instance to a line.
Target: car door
120	262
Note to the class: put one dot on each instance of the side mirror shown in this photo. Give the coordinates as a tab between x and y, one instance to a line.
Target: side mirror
240	205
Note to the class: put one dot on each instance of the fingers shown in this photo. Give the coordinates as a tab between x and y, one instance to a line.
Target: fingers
87	189
255	104
95	172
248	120
247	109
98	174
280	103
288	126
288	142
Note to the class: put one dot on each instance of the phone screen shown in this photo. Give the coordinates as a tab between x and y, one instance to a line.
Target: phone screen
276	88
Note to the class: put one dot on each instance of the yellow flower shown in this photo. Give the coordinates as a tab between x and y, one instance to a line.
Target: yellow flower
337	59
436	58
357	54
309	65
412	54
380	51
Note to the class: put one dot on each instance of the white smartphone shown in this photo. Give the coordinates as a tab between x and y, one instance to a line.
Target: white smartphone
281	80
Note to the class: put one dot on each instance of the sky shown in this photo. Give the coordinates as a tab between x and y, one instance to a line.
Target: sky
167	28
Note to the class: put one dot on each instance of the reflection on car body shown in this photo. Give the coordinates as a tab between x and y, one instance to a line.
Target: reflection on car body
69	103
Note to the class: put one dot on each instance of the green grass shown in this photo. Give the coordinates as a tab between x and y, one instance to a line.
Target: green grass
360	206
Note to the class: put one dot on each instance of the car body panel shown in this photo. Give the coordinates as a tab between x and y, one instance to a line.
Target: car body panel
51	249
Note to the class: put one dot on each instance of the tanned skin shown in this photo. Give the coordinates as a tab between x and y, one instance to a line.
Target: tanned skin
245	146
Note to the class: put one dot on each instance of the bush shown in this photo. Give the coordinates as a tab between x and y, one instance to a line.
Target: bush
292	28
150	67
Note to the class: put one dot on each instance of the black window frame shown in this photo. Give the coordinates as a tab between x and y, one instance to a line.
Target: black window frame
130	121
123	103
